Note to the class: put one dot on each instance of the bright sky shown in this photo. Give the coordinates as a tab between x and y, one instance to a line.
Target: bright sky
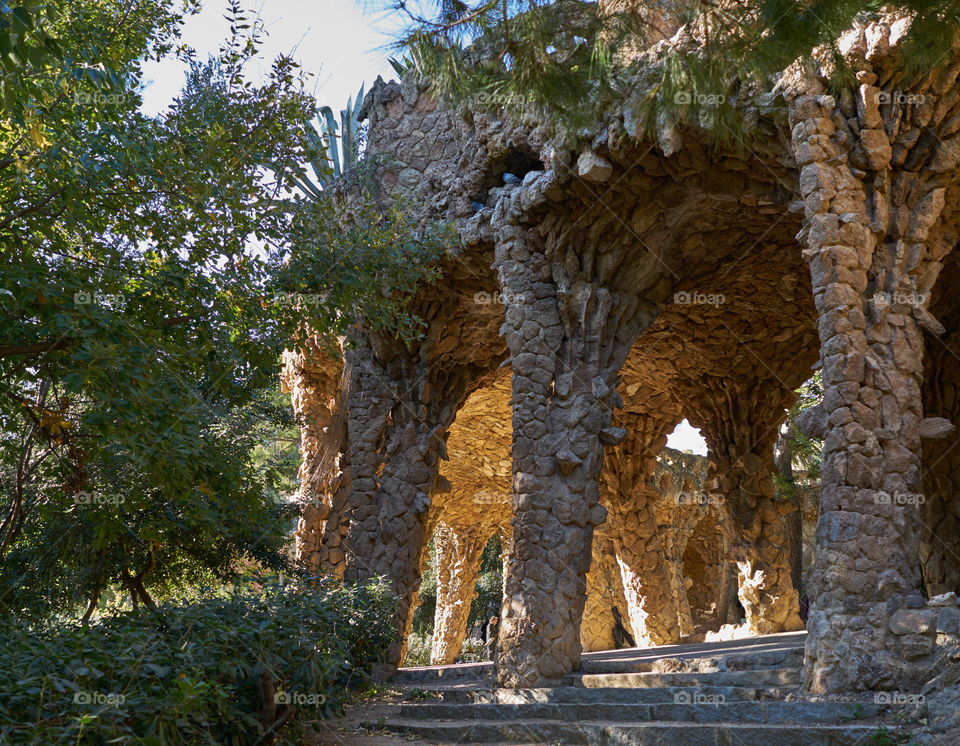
342	43
687	438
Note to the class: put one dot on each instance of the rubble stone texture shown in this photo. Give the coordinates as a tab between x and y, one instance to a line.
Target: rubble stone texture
877	227
458	552
652	602
469	508
619	284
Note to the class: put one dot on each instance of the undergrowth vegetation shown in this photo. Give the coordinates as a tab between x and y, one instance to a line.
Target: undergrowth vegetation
248	665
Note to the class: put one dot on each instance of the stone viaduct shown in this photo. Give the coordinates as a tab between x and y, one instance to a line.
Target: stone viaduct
619	284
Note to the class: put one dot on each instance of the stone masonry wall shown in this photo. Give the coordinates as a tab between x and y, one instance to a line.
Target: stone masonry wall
636	282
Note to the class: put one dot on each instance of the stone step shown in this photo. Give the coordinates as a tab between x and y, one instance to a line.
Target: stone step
703	664
710	664
702	709
637	733
580	695
443	674
761	678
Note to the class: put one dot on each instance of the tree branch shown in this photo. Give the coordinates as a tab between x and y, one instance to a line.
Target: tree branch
35	348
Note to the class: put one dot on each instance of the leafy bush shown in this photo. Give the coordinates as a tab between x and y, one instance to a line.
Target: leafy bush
418	650
237	667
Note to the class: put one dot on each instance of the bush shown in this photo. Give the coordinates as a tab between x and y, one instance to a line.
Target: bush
418	650
222	670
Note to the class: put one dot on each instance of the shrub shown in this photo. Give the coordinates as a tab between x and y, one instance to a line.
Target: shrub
418	650
237	667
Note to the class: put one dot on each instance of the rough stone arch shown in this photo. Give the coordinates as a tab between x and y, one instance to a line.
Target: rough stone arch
640	279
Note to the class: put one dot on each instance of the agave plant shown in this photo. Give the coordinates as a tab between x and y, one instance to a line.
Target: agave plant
328	161
401	66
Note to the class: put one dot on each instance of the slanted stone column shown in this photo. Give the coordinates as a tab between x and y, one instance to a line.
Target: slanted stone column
400	410
604	593
704	549
645	574
695	536
741	423
458	551
874	251
651	604
568	335
317	387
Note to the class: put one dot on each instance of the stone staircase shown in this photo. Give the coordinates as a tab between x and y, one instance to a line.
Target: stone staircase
735	694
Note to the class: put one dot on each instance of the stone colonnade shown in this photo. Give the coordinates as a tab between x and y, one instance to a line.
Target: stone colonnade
593	251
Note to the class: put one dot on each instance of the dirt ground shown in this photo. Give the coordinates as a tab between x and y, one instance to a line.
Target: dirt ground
347	729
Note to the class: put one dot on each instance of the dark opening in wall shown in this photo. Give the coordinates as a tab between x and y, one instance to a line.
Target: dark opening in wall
517	162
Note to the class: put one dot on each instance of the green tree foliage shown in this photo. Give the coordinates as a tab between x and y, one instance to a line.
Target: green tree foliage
562	57
147	278
132	336
519	52
798	457
356	255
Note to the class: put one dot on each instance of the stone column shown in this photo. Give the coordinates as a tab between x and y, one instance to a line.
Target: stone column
651	604
400	410
644	571
873	259
604	593
699	553
727	610
741	423
458	551
568	334
317	387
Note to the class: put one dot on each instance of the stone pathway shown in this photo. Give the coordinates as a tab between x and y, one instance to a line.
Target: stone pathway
738	693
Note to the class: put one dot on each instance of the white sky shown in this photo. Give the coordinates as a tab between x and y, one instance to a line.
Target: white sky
687	438
341	42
